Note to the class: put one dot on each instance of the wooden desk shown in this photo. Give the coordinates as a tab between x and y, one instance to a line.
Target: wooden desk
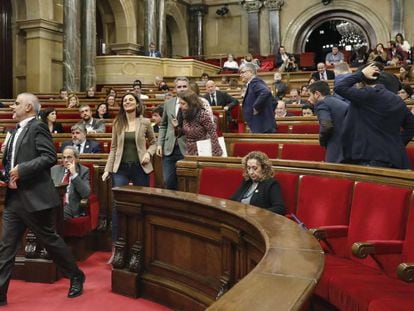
191	252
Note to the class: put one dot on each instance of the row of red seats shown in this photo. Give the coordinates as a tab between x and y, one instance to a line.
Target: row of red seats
346	212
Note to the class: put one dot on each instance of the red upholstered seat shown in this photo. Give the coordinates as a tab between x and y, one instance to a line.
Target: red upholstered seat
305	129
394	302
410	152
302	152
81	226
240	149
289	185
219	182
282	128
324	201
378	212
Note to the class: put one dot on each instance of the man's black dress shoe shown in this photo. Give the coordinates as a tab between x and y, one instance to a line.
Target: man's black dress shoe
76	286
3	300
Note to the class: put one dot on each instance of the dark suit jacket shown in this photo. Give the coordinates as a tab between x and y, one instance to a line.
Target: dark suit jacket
91	146
279	60
35	154
259	97
372	127
97	125
222	99
267	195
329	74
57	128
79	187
331	112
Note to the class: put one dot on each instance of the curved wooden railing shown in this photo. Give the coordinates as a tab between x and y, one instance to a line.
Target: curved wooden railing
192	252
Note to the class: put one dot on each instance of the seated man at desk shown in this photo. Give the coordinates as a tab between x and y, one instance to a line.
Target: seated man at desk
76	176
80	142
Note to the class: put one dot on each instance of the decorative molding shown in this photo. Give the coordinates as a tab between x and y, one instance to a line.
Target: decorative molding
136	260
252	6
274	5
198	9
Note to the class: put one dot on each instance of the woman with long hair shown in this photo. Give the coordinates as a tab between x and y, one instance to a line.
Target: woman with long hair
102	111
195	123
49	117
132	147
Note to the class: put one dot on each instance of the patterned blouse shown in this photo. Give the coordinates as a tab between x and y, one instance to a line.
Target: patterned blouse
200	128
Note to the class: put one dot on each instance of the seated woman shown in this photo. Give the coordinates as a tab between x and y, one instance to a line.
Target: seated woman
49	117
110	101
73	101
230	64
259	188
379	54
402	43
102	111
195	123
249	59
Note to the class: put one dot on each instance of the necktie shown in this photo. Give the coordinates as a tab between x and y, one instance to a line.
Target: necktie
7	166
213	100
78	146
65	181
322	77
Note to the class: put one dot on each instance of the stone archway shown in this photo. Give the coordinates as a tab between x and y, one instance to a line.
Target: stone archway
176	26
301	27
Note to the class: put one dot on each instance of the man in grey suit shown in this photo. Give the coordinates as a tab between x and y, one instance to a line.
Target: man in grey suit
76	176
31	196
91	124
171	148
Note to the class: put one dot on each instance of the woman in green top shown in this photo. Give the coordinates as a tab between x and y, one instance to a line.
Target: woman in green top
132	147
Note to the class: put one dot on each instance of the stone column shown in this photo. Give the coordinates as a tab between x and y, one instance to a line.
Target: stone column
274	7
253	9
162	28
150	22
397	12
197	13
88	44
71	44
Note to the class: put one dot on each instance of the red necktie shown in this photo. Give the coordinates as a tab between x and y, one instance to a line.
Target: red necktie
65	181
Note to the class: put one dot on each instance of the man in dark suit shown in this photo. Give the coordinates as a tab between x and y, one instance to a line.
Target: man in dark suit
219	98
323	73
372	133
152	51
31	196
76	177
80	142
331	112
257	102
91	124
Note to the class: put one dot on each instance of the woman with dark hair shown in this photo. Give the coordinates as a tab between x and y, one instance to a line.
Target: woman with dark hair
402	43
195	123
379	54
259	188
102	111
49	117
132	146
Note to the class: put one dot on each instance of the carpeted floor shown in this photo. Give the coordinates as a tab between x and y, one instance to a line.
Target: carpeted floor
24	296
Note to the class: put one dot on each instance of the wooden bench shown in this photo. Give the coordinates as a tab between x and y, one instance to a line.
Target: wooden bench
345	206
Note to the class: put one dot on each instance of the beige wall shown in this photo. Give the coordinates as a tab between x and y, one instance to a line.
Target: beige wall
37	30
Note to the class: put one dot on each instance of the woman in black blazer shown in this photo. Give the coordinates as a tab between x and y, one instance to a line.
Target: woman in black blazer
259	188
49	116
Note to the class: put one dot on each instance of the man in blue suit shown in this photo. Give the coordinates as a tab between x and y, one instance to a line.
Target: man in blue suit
331	112
80	142
152	52
372	133
257	102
